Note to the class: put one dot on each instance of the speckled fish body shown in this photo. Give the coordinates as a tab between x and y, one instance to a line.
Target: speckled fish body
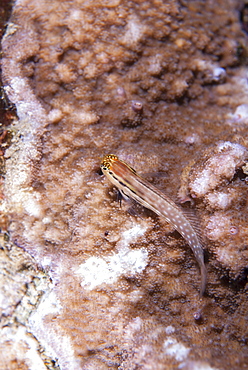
133	186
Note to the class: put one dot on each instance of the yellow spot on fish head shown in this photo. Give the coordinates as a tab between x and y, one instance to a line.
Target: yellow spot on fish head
107	161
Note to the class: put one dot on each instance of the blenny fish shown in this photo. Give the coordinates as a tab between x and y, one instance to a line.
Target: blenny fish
131	185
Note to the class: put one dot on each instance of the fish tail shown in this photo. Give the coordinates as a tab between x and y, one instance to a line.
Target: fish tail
203	278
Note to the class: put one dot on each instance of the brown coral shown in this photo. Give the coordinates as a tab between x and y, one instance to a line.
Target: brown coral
123	290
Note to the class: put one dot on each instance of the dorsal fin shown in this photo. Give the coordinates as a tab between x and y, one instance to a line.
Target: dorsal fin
195	222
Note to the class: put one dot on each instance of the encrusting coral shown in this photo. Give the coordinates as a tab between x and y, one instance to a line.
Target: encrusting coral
149	81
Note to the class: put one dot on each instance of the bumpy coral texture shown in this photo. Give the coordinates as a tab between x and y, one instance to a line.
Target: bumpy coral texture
149	81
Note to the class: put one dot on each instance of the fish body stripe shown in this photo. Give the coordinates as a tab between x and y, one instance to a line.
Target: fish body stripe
134	186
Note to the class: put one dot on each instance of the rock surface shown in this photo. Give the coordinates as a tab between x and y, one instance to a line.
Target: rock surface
164	86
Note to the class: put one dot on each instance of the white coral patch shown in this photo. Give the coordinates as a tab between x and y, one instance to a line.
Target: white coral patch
85	117
225	256
133	327
132	234
134	32
218	73
99	270
196	365
18	84
175	349
57	346
217	226
219	200
24	346
155	64
32	205
55	115
240	115
219	166
96	271
169	329
28	200
213	71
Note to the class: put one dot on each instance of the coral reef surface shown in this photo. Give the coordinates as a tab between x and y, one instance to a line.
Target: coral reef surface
162	84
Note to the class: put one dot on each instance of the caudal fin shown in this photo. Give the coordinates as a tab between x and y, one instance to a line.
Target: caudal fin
203	279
